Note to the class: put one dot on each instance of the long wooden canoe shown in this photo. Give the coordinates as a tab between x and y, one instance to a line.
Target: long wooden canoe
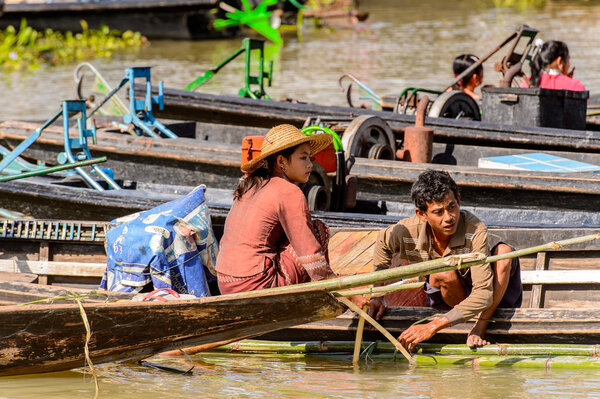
41	197
155	19
232	110
216	164
40	338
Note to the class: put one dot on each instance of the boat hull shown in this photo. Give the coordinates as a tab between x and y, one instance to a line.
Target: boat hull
44	338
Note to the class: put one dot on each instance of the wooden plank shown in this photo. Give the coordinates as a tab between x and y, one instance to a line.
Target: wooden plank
355	246
560	277
44	257
536	300
53	268
342	247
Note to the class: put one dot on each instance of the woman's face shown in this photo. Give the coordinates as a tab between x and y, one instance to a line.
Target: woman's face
298	167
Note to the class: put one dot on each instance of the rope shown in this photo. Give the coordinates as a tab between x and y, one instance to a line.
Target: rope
86	349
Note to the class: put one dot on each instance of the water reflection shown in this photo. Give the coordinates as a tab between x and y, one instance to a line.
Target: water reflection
290	377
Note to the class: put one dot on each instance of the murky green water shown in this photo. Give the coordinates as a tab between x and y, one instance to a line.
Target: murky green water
406	43
217	376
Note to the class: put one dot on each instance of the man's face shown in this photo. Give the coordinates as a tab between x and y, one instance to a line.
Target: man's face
442	216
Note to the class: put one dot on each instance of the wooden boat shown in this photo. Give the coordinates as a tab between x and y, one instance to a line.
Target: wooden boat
232	110
51	337
217	165
46	197
560	286
174	19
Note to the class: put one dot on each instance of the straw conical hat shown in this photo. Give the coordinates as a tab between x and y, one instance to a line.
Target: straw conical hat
285	136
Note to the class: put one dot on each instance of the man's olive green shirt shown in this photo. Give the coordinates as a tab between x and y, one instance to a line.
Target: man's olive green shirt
412	240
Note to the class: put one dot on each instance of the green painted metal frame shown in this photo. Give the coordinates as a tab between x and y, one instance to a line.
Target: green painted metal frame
249	47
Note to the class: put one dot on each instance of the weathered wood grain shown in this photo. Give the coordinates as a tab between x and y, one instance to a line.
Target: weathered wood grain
42	338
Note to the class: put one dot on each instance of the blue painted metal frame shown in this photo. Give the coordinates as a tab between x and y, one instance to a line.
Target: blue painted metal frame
27	142
140	111
80	143
68	156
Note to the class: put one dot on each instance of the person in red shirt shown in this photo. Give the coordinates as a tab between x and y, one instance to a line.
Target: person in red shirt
270	239
550	68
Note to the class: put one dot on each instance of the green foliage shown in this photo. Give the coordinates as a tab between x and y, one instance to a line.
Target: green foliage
27	48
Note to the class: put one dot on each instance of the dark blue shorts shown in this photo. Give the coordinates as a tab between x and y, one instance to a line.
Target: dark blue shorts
513	297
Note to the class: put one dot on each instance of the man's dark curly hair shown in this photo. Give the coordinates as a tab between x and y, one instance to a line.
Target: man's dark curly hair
432	186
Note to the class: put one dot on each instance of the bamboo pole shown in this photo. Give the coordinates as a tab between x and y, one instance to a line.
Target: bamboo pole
332	347
452	262
379	291
546	362
379	328
359	335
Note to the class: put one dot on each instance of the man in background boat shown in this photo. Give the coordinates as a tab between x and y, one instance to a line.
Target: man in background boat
440	229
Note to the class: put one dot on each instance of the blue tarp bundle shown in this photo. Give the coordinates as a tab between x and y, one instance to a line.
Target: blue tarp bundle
172	246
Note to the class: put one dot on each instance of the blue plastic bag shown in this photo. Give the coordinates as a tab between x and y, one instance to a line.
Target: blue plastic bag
171	246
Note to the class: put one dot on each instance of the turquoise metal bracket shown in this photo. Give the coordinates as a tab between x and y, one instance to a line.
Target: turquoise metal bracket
81	143
68	156
140	111
19	165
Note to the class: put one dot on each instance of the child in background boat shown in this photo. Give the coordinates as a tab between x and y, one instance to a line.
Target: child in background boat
439	229
270	239
550	68
469	83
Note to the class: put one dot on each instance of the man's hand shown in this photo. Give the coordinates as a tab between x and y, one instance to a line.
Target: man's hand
422	332
376	308
475	337
359	300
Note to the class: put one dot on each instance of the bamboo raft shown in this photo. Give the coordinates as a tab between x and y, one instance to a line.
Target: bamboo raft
217	165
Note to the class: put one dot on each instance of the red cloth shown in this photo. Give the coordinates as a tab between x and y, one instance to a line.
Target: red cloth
258	229
558	82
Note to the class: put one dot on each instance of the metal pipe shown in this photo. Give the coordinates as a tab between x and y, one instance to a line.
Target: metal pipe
53	169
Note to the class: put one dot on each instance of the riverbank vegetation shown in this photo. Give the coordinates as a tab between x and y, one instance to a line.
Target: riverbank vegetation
26	48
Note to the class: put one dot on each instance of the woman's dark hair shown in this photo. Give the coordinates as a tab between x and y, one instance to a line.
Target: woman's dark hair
550	51
460	64
261	175
432	186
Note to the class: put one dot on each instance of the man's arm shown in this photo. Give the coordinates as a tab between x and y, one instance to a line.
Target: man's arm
501	271
388	243
481	295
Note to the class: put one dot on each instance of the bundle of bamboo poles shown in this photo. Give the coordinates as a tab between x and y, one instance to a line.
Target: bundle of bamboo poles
512	355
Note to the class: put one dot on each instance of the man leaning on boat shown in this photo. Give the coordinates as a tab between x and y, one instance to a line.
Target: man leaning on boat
440	228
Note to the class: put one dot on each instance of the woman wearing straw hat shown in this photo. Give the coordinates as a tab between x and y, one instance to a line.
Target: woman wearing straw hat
270	239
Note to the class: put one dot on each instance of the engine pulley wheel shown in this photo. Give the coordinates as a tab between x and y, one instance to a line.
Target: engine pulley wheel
366	132
455	104
381	151
318	198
